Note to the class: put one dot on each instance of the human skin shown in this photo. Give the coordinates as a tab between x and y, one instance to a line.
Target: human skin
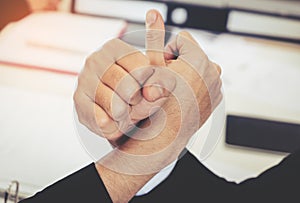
119	86
186	100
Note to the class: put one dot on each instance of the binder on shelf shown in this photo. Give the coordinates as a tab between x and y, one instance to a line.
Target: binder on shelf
272	19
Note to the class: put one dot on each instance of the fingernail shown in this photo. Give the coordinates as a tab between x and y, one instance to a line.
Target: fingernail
151	17
156	93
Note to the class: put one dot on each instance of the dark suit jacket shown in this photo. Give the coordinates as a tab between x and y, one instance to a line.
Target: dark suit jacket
190	181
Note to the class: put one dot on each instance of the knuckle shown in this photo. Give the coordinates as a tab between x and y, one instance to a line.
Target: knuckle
219	69
80	82
141	74
81	119
127	94
76	97
111	43
83	82
186	35
119	110
166	78
91	57
220	83
154	36
128	85
102	122
91	61
81	115
220	96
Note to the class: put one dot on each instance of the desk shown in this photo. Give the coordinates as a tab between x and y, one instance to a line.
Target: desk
39	144
38	136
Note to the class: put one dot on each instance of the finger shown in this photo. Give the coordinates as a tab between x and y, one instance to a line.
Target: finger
172	50
155	38
180	44
112	104
111	51
159	85
102	64
218	68
111	130
123	84
144	109
88	81
84	108
108	128
138	65
186	48
129	58
94	117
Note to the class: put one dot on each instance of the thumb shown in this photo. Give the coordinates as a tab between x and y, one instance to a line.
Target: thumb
185	47
155	38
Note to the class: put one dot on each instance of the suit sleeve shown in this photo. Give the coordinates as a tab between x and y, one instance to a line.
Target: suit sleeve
190	181
280	183
12	10
193	182
84	185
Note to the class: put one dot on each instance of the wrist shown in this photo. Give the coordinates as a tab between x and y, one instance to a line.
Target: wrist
115	182
155	145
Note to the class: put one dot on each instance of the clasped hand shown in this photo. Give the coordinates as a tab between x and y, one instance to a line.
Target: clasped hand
120	86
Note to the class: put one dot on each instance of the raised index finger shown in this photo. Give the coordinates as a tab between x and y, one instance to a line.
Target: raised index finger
155	38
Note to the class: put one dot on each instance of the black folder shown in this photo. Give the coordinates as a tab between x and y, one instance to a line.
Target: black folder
262	134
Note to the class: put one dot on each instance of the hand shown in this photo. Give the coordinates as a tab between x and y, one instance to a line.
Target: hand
110	98
38	5
197	93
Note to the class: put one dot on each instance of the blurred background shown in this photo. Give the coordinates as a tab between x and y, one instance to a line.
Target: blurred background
43	47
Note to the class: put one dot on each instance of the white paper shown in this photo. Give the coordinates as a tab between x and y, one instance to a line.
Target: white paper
58	41
39	143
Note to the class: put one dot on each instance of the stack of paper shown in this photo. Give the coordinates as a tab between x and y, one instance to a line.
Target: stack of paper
56	41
